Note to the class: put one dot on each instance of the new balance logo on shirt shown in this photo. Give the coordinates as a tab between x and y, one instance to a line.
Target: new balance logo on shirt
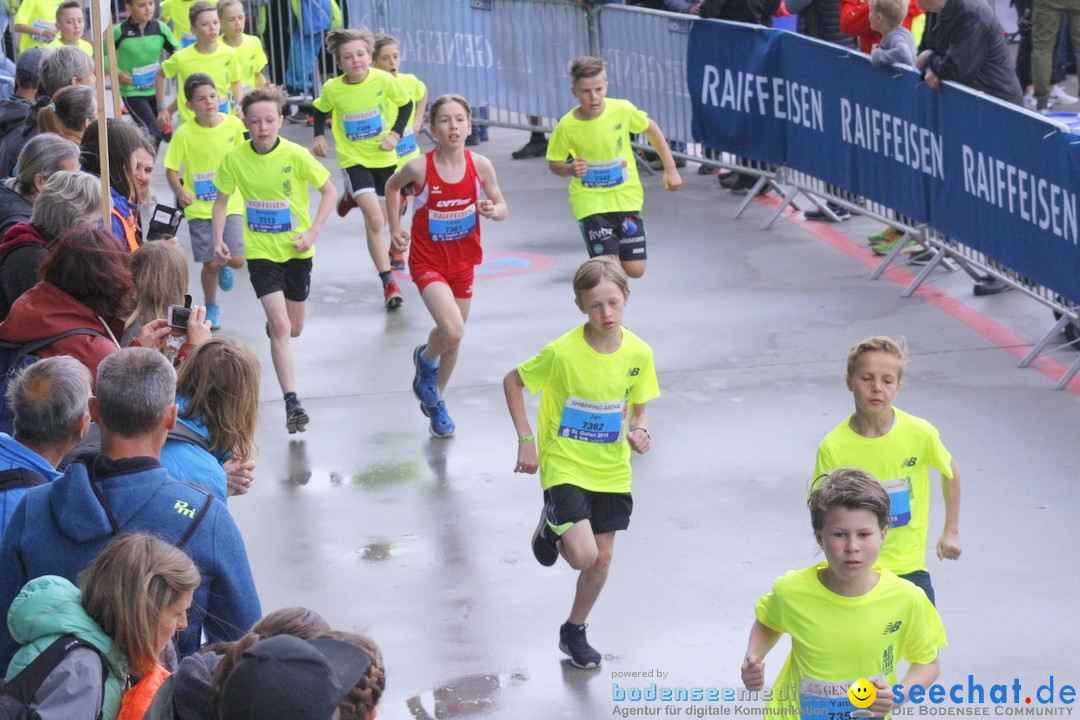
892	627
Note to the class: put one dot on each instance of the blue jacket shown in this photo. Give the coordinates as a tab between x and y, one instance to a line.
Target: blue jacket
190	463
47	608
16	455
60	527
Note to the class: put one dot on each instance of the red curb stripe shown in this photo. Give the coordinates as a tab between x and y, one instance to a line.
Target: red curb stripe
986	326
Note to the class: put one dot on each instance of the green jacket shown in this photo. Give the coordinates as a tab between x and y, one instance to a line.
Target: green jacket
49	607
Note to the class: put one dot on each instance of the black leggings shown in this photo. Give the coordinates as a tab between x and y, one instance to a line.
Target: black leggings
143	109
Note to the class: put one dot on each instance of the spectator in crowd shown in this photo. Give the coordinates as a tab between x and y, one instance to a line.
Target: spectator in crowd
58	68
361	702
1057	96
537	145
855	21
1046	20
191	692
70	111
130	600
49	399
896	46
66	200
160	273
756	12
287	678
14	109
39	160
125	142
58	528
964	42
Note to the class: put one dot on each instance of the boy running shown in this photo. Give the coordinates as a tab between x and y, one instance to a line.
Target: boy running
207	56
139	42
849	619
198	148
591	145
452	187
249	49
591	380
273	175
371	110
898	449
70	25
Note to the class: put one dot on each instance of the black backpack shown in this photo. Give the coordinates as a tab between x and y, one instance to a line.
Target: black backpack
14	357
17	693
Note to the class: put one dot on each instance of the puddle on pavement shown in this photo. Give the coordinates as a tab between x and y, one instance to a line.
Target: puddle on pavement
465	696
386	475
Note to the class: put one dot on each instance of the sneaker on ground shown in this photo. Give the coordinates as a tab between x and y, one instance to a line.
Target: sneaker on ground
425	384
213	314
225	278
1029	101
296	419
886	235
345	203
397	261
884	248
392	295
543	543
1059	97
990	286
300	117
441	424
819	215
530	150
573	642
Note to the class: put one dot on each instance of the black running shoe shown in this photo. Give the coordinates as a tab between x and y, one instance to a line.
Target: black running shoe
296	419
543	543
572	641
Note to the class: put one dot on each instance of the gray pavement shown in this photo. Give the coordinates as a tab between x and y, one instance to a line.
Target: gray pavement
423	543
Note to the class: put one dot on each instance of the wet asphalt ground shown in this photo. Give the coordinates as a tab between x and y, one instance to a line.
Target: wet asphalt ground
424	543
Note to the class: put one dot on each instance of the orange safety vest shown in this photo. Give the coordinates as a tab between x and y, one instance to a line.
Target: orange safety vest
128	224
137	700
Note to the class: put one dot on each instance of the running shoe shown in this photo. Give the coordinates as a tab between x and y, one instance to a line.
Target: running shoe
573	642
543	543
425	382
296	419
441	424
345	203
392	295
397	261
888	234
225	278
213	314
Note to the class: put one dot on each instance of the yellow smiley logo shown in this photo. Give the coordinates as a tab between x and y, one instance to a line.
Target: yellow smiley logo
862	693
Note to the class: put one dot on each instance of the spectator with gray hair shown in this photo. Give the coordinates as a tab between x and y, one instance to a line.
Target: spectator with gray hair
58	528
38	160
50	400
66	200
67	65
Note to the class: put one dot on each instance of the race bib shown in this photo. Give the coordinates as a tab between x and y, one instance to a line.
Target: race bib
444	226
591	421
143	77
362	125
407	144
43	25
269	216
828	700
186	39
205	189
899	501
604	174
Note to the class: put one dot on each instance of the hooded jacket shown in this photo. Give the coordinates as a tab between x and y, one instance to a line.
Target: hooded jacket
46	310
21	253
13	208
60	527
190	463
47	608
15	455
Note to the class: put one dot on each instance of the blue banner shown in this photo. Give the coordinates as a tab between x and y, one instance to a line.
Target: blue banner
994	177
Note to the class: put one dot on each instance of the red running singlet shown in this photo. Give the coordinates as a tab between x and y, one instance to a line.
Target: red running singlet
446	225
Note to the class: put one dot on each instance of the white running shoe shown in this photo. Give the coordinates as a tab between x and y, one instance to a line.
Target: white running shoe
1058	96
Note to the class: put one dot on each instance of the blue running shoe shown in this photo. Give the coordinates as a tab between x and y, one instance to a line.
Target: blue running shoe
441	424
425	382
225	278
213	314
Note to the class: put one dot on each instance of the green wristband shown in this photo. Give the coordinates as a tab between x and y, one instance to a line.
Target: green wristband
527	438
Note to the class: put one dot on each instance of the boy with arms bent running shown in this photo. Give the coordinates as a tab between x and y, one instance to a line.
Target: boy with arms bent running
592	380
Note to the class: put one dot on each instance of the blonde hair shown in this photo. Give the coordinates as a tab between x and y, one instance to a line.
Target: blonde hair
379	43
266	93
892	11
585	66
336	39
128	587
448	98
595	270
363	697
161	279
847	488
224	5
220	380
878	343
